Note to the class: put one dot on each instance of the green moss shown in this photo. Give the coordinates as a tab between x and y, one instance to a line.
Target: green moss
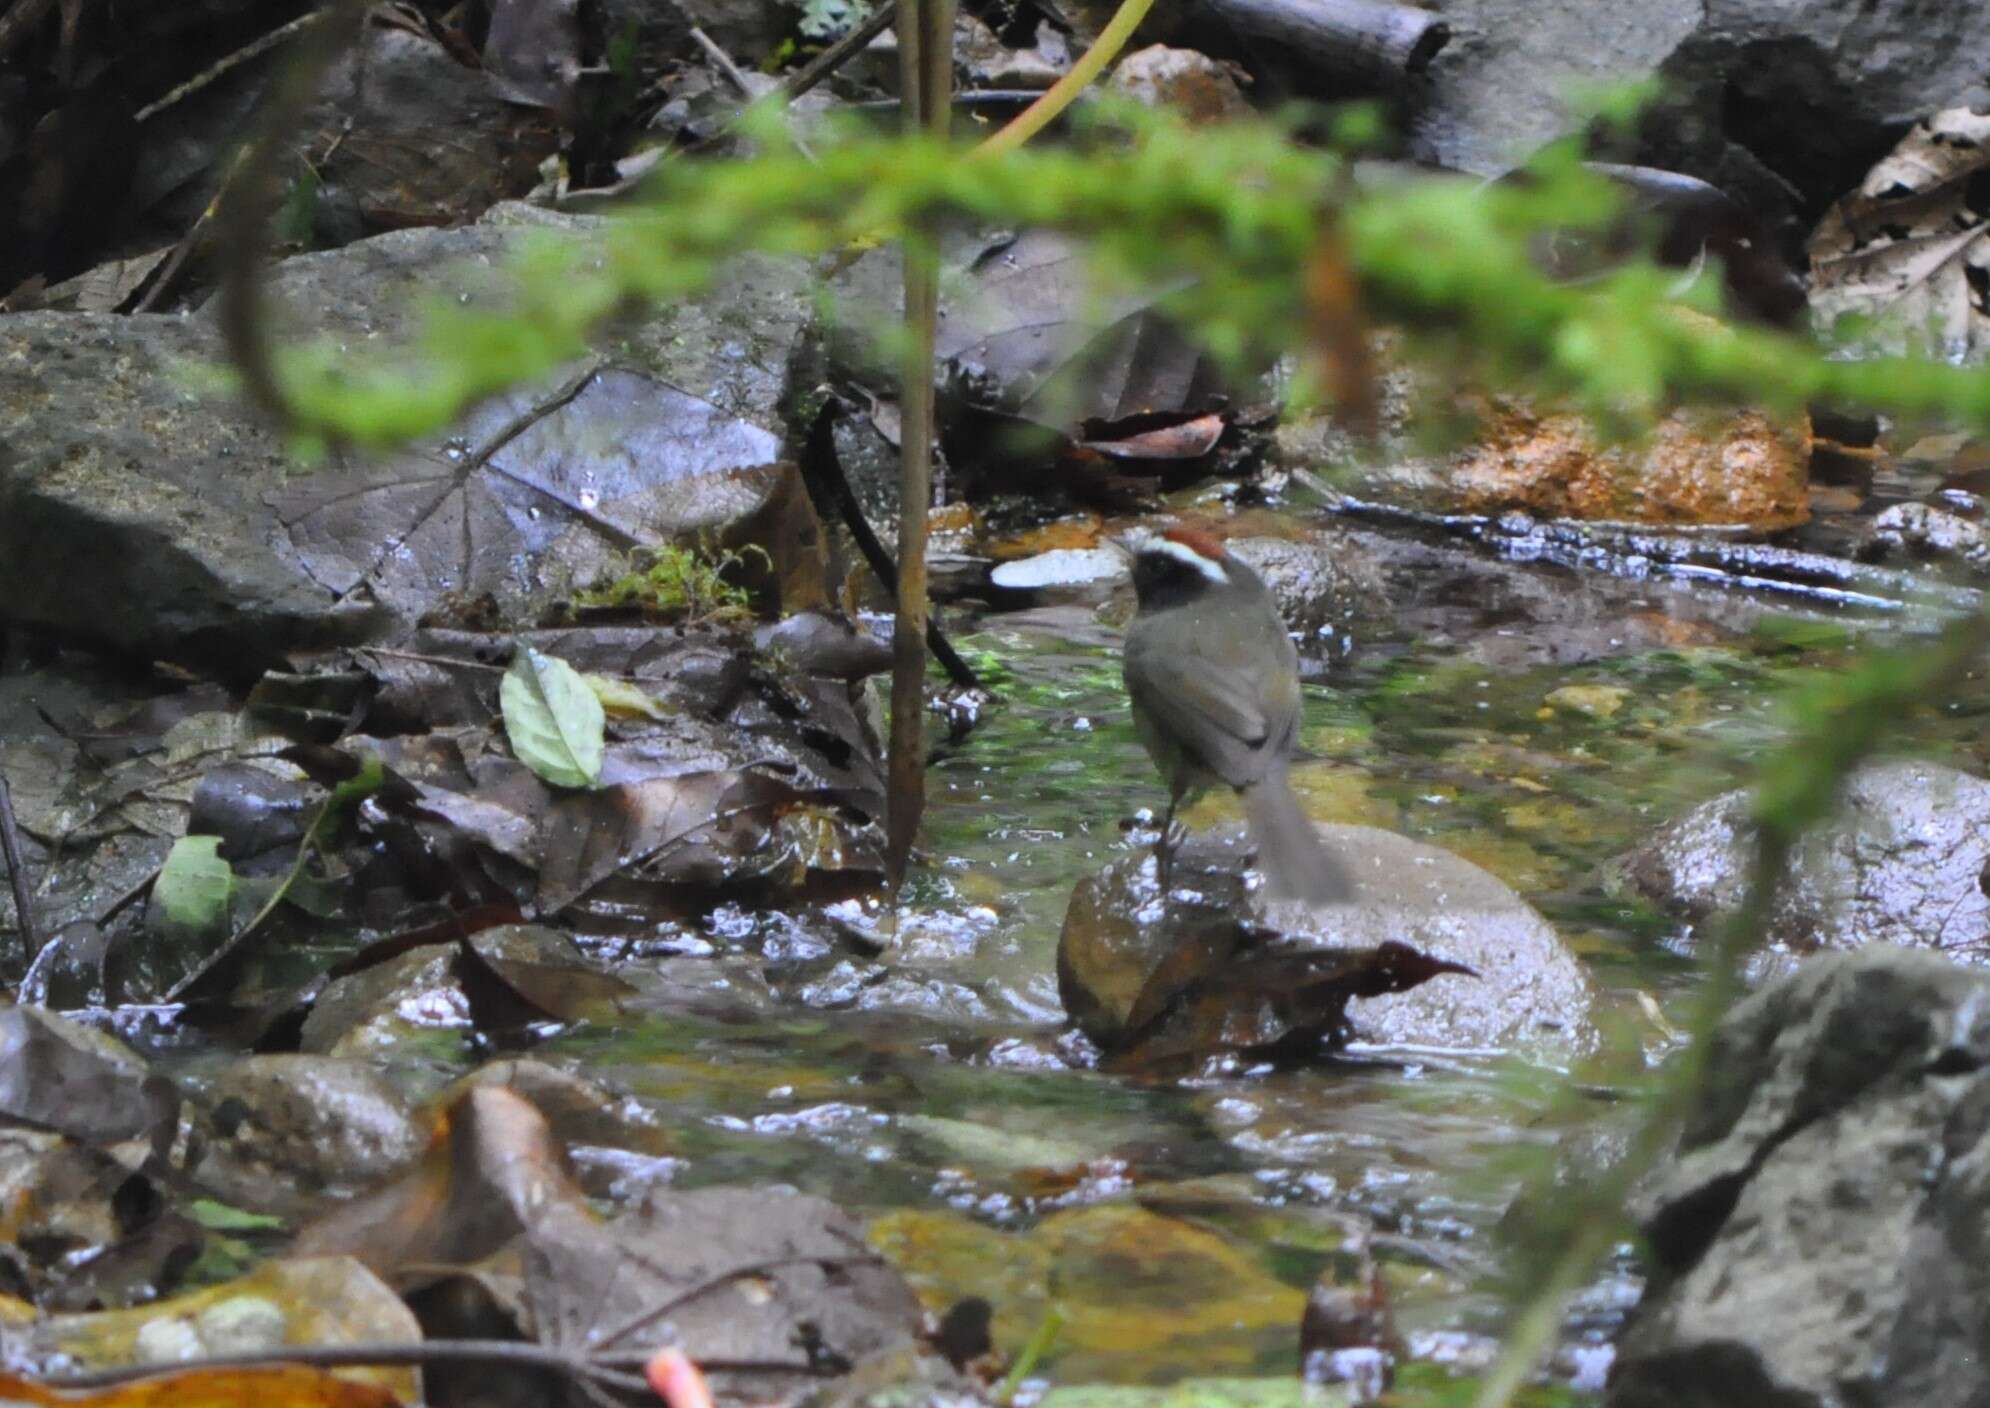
675	583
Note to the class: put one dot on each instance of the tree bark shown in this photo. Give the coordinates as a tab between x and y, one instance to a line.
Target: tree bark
1369	44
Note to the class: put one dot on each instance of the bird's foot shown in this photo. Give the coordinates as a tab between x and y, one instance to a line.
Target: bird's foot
1173	835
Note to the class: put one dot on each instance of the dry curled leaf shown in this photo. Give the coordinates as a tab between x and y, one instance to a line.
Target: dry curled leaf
1908	249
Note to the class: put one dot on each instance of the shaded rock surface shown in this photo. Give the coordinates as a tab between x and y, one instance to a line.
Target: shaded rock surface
293	1125
1819	1238
1902	863
1320	582
209	543
1531	992
1785	105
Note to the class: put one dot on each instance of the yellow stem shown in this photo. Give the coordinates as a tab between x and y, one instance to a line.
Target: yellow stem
1060	95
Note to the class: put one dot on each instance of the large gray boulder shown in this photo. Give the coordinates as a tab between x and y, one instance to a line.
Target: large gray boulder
1244	971
152	517
1901	863
1823	1235
1783	102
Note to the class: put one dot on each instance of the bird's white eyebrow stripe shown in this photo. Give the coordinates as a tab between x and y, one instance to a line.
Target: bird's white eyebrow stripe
1182	552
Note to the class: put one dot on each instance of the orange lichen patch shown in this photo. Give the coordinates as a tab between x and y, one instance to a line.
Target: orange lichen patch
1080	532
1197	540
287	1386
952	518
1695	466
1202	90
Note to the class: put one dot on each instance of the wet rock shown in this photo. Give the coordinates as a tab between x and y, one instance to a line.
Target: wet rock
816	644
381	118
1531	992
319	1300
1926	532
1786	105
1693	467
373	1011
1818	1238
988	62
212	546
59	1075
284	1128
107	457
1320	583
1902	863
1199	88
1064	574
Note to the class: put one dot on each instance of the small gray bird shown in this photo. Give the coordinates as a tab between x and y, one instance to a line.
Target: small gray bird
1214	683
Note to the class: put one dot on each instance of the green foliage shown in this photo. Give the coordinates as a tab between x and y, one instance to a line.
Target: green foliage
682	584
195	887
1235	214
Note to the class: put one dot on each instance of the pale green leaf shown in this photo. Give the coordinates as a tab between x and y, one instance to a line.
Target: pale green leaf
554	721
195	886
623	700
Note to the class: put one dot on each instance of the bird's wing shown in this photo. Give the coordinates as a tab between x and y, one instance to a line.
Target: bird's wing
1193	698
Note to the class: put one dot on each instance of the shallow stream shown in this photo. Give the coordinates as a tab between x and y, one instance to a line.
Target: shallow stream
1535	721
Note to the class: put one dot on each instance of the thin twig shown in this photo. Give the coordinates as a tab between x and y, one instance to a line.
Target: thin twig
1061	94
426	1353
837	54
723	61
129	897
443	660
17	875
255	49
244	213
733	75
821	464
649	1315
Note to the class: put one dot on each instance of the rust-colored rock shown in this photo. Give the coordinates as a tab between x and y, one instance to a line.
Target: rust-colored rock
1695	466
1196	86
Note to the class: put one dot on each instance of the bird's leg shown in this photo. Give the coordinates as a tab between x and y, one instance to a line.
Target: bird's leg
1164	848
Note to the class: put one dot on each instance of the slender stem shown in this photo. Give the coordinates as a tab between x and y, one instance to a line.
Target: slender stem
839	53
17	877
1061	94
925	55
1044	1336
828	481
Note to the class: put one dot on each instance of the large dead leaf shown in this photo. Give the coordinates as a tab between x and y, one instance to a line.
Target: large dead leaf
1907	249
60	1076
536	493
1030	330
490	1171
770	1289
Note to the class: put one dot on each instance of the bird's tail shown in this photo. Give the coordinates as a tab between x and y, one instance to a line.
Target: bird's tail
1295	864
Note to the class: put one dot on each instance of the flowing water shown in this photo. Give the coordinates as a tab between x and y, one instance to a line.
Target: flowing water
1536	723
